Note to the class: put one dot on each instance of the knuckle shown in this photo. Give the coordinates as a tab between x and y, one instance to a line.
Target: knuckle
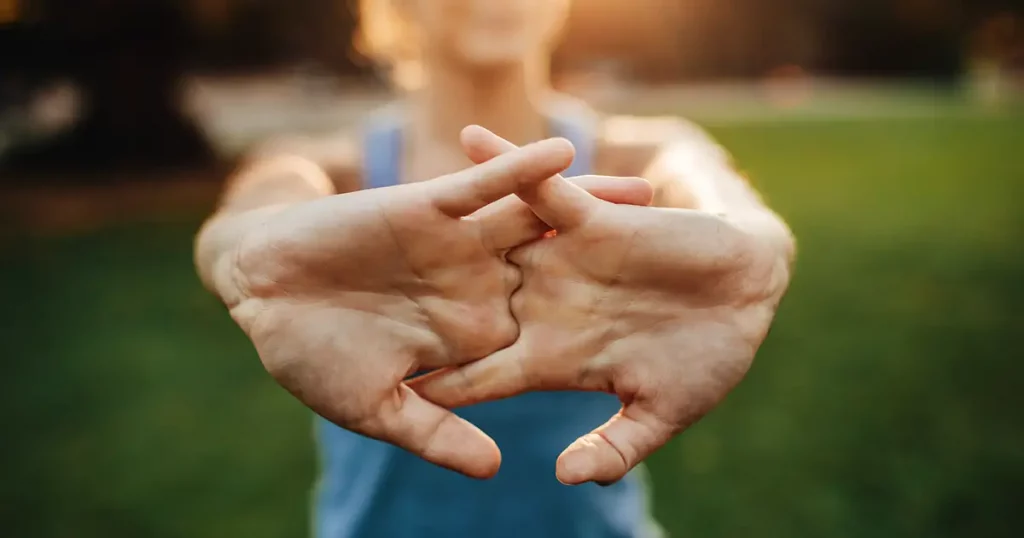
518	304
513	278
523	256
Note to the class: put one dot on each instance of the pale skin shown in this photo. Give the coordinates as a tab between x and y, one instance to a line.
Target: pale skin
344	295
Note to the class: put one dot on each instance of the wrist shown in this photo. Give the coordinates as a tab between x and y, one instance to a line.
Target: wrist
772	244
220	247
227	278
771	231
256	193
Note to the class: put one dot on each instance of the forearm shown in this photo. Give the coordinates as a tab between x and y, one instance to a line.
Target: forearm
253	195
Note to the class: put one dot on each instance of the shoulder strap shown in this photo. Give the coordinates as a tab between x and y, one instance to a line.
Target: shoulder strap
382	150
580	129
382	145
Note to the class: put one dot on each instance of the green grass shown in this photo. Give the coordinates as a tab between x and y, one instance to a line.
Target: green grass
886	402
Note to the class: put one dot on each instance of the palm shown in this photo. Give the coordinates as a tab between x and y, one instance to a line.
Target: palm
348	295
663	307
390	258
624	318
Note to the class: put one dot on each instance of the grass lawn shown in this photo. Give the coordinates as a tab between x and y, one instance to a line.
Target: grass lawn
886	402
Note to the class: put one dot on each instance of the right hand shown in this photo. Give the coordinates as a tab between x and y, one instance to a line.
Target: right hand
345	296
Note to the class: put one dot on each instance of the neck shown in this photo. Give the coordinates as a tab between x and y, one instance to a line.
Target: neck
507	100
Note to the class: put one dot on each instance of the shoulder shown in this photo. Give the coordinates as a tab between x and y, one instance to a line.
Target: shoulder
631	145
669	152
339	154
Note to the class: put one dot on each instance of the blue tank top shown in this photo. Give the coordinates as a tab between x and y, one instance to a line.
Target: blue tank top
369	489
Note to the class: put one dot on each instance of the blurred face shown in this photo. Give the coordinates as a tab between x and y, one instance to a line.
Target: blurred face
486	33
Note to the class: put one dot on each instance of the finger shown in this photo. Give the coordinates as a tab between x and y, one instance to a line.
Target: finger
509	222
463	193
617	190
500	375
438	436
557	202
606	454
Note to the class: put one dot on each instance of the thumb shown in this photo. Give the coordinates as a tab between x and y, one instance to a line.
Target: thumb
436	435
606	454
556	201
500	375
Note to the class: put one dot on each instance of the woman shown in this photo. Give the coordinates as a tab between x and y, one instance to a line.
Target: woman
463	62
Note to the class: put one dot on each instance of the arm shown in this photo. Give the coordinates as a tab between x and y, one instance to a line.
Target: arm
255	192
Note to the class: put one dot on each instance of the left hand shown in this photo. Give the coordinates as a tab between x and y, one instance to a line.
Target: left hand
663	307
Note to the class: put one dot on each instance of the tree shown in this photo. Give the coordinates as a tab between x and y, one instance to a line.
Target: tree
127	58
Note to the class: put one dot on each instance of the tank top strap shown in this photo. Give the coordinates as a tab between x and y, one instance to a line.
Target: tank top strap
382	145
382	149
581	130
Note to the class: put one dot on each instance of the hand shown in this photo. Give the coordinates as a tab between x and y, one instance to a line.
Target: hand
664	308
345	296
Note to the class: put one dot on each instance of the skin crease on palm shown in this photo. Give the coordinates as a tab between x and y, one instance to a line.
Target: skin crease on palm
346	295
663	307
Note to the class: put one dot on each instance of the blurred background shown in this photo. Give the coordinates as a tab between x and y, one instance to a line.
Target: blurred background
886	403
